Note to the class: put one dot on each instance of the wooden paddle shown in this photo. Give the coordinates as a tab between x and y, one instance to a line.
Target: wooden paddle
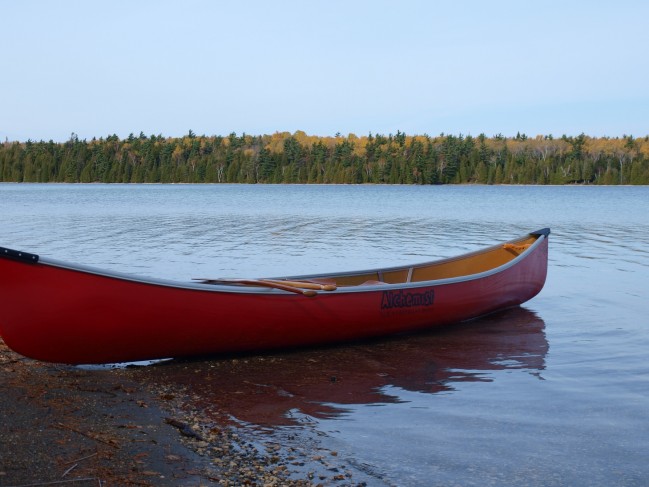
262	283
305	284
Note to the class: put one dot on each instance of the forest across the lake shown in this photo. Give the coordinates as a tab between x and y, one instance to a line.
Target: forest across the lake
285	157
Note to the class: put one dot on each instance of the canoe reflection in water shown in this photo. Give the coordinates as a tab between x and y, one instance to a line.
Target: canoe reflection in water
276	389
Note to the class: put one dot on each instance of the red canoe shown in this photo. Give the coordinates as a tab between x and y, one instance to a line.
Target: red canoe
60	312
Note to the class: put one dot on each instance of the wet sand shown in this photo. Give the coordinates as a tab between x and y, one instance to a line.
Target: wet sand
62	425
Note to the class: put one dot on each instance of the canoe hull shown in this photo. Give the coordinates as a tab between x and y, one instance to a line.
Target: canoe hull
68	315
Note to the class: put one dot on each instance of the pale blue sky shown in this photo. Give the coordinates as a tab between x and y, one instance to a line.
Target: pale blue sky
164	67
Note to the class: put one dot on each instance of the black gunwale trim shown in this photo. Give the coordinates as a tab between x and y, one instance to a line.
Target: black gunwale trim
19	255
544	231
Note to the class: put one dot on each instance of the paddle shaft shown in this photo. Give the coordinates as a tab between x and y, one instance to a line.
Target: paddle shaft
304	284
255	282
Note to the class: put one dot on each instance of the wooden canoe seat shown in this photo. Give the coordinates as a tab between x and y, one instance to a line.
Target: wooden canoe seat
519	249
372	282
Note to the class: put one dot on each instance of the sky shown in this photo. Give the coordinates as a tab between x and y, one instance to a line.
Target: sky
96	68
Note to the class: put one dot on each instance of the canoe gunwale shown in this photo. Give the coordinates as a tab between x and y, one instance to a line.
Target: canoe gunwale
240	289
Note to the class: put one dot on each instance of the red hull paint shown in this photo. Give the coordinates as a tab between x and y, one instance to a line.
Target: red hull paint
75	316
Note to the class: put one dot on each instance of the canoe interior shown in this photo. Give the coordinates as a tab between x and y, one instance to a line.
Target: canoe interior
465	265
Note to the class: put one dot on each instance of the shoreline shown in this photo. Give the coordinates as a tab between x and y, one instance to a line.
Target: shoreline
66	425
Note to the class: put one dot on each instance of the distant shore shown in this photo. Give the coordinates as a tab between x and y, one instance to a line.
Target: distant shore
284	158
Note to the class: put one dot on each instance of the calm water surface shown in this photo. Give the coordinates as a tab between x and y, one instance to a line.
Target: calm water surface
553	393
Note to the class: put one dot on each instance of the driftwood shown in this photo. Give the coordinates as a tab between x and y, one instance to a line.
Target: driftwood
184	429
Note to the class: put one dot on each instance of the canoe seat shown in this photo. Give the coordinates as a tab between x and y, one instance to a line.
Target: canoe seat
371	282
516	248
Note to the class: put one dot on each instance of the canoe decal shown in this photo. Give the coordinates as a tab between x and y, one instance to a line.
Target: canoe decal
406	299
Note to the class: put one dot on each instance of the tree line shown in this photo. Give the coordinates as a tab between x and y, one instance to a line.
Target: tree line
300	158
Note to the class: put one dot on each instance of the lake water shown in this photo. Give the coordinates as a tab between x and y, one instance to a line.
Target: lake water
553	393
